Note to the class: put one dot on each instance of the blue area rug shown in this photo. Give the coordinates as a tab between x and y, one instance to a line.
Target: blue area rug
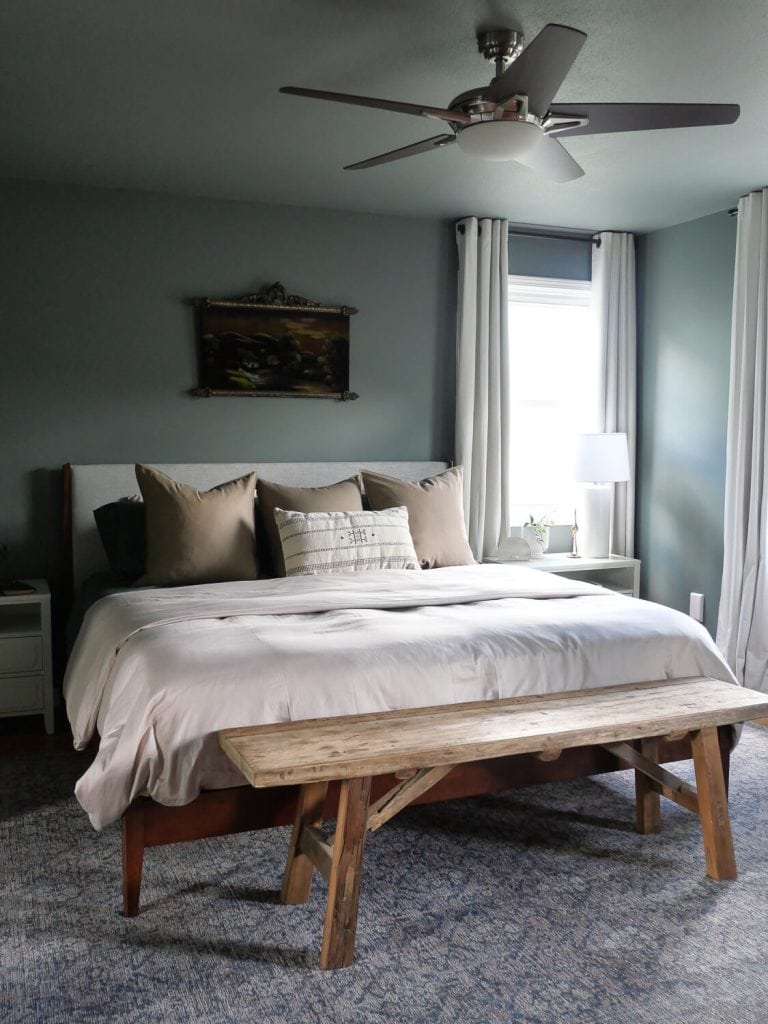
539	906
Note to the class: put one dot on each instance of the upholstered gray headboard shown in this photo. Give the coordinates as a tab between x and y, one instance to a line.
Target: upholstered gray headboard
88	487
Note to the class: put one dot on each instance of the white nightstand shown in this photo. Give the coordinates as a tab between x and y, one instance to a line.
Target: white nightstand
26	679
614	572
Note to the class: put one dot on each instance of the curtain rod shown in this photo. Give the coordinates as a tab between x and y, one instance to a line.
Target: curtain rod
544	234
554	234
734	209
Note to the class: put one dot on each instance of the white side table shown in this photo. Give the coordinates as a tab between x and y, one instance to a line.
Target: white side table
614	572
26	678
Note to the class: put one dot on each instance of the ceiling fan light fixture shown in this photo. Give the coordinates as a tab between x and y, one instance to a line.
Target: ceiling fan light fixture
499	140
513	118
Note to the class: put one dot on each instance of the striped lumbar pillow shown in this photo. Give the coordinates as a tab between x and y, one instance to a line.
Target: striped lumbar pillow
318	542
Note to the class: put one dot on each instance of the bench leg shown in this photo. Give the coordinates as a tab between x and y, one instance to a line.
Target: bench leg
133	859
713	805
297	880
724	738
647	799
338	948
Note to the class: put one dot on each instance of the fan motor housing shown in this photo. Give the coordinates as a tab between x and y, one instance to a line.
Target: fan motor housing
473	102
500	45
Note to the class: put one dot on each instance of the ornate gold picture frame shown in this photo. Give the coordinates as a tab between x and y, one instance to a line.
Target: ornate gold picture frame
273	345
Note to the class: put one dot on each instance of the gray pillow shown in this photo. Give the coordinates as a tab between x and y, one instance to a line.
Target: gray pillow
123	536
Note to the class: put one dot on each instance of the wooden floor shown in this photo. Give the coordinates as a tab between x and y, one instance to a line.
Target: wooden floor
28	736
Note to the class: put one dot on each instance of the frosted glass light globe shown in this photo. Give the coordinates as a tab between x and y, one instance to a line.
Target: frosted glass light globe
499	140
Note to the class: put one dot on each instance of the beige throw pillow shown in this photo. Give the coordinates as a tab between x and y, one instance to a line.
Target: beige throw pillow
435	513
333	542
197	536
341	497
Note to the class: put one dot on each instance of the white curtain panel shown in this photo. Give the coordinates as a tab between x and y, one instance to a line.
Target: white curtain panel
482	395
613	298
742	627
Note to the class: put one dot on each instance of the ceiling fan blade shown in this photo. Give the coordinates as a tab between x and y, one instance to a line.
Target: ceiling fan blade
552	160
540	69
640	117
455	116
436	142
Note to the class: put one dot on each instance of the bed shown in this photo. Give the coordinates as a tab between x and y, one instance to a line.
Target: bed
156	673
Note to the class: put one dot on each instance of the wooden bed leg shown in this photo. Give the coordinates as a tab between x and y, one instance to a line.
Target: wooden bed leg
713	805
647	799
133	859
338	948
297	880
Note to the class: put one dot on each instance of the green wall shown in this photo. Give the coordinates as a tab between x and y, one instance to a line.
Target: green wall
685	280
98	353
98	345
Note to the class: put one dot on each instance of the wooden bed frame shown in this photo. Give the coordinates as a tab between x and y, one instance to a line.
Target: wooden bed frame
242	808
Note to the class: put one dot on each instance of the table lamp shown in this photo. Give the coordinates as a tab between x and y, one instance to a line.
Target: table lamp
601	461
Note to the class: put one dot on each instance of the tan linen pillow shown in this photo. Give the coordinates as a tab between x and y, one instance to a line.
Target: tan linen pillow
341	497
435	513
197	536
333	542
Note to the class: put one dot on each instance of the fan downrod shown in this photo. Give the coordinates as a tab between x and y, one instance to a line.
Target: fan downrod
500	46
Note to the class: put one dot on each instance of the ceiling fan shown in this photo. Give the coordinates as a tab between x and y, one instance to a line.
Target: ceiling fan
513	117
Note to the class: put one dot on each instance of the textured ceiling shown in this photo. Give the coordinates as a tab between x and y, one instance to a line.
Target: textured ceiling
181	96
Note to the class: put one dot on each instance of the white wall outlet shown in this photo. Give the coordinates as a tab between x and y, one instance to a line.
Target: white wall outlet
696	610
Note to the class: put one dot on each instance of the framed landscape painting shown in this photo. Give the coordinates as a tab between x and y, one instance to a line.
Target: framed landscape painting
273	344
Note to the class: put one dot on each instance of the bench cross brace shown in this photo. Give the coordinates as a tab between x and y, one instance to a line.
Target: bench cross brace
663	782
397	798
709	800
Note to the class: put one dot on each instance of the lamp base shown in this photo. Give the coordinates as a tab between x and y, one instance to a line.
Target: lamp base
595	520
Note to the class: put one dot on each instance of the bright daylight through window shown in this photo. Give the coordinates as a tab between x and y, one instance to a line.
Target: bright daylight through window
554	388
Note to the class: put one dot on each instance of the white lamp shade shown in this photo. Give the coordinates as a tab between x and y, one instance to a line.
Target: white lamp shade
602	458
499	140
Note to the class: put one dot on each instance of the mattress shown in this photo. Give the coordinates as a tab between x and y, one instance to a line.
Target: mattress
156	673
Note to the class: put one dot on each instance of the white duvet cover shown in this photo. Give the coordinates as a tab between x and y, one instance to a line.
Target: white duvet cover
158	672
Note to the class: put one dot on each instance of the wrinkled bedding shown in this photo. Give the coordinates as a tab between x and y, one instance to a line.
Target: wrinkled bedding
93	588
158	672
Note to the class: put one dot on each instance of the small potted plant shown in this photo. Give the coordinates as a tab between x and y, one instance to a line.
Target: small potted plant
536	532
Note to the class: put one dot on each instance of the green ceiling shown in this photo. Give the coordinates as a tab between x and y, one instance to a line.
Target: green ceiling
181	96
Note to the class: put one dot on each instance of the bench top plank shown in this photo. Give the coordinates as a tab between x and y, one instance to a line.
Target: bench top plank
373	744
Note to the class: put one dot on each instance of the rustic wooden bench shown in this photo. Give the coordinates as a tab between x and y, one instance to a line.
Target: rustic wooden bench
423	745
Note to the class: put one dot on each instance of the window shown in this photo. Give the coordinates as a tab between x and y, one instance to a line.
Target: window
554	389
